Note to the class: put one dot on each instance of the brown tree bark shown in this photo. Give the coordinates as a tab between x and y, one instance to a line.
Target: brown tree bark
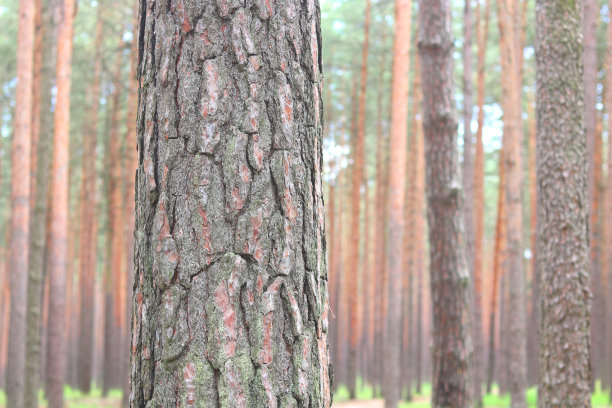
482	32
87	239
607	271
563	242
396	199
511	104
58	245
451	348
358	157
20	205
42	119
230	305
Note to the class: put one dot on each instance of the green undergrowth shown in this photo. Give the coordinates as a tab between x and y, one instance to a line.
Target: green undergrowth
600	399
76	399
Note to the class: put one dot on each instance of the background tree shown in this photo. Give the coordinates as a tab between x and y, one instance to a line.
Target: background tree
451	349
563	242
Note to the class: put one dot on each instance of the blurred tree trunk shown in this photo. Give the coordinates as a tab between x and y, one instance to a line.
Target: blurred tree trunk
452	348
42	131
58	245
366	288
231	295
511	104
357	182
607	271
482	33
563	242
20	205
4	314
589	28
396	199
116	261
131	166
87	240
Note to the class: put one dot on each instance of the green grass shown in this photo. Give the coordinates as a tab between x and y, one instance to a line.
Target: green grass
600	399
76	399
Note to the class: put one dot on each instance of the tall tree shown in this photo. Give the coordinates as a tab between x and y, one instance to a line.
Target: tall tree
230	301
87	239
452	348
589	29
511	104
608	194
58	244
46	46
20	205
356	211
563	242
482	32
397	181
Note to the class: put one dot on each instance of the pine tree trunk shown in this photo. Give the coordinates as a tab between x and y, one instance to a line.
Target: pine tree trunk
357	181
58	245
230	304
563	242
20	205
607	271
396	199
511	86
452	348
47	47
482	33
87	239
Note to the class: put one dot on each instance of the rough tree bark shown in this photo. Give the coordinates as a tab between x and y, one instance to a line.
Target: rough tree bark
563	242
511	104
20	205
48	48
482	32
357	182
450	288
396	199
230	304
58	244
87	239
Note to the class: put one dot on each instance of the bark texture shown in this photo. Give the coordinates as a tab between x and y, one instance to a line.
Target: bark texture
58	244
20	205
450	281
396	198
563	242
230	303
36	255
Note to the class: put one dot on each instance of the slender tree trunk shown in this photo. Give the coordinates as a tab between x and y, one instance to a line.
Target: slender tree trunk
131	166
230	305
58	245
452	348
47	47
396	199
479	364
511	86
366	288
563	242
20	205
608	200
358	157
87	240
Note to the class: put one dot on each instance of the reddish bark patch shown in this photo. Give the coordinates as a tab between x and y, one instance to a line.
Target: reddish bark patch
222	301
205	231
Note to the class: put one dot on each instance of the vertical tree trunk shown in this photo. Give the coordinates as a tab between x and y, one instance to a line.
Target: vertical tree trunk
20	205
608	198
511	86
58	245
47	34
589	27
87	239
357	182
482	33
420	232
396	199
131	166
452	348
230	305
563	242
